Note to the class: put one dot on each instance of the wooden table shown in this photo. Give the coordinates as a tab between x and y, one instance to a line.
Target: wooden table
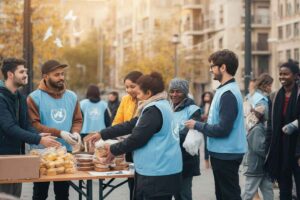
80	176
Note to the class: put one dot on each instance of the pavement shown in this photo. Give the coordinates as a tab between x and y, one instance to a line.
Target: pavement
203	188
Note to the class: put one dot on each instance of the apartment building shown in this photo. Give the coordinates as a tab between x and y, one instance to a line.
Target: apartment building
219	24
138	23
285	35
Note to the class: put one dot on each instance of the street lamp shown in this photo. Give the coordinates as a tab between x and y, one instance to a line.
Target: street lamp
175	40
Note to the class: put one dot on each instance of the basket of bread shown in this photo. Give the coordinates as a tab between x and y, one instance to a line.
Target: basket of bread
55	161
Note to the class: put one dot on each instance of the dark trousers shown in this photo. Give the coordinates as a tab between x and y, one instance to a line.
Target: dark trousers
61	190
226	178
131	188
286	184
206	154
14	189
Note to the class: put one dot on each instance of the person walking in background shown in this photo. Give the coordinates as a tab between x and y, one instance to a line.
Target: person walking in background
54	109
94	111
113	104
126	112
184	109
156	152
283	158
206	100
256	136
226	134
15	127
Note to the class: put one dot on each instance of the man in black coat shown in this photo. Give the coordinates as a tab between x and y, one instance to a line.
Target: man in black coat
15	129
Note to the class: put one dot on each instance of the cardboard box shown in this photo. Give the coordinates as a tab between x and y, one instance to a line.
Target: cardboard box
19	167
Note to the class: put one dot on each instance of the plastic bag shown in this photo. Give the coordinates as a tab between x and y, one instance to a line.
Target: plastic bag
192	142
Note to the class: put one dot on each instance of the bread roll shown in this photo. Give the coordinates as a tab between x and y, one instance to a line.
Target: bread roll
51	172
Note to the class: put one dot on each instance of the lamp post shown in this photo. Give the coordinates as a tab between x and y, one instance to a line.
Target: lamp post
248	50
175	41
27	44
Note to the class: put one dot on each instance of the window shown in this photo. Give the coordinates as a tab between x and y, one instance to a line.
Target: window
288	54
221	43
263	64
296	29
288	9
280	10
221	20
288	31
296	54
262	43
280	32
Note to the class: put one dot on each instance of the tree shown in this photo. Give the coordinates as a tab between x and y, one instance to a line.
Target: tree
43	16
83	59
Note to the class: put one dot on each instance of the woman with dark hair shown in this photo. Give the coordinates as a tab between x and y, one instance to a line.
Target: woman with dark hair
94	111
113	104
206	100
127	110
156	151
283	158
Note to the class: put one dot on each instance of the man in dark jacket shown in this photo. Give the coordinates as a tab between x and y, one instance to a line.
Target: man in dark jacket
15	128
184	109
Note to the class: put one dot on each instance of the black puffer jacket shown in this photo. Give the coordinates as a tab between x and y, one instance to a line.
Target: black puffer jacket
15	128
191	164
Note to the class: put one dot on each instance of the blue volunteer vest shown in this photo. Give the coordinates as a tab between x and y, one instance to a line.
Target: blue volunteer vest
256	98
182	116
93	113
236	141
161	155
56	113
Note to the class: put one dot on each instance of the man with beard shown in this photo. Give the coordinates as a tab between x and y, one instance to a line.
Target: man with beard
15	128
225	131
54	109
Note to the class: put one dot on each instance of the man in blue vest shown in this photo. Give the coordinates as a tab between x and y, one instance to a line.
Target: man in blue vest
56	110
15	128
225	131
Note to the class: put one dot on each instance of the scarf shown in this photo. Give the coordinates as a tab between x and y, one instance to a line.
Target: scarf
143	103
282	149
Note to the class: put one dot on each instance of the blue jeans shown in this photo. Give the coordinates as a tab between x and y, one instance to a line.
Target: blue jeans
186	189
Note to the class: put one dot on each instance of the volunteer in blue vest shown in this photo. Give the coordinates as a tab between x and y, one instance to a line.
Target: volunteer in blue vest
225	131
54	109
94	111
184	109
15	127
156	151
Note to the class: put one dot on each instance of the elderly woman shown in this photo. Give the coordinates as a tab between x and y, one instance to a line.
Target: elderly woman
156	150
184	109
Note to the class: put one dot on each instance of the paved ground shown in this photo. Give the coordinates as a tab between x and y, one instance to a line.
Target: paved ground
203	189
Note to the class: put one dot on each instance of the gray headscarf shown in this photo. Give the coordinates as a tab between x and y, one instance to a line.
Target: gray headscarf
179	84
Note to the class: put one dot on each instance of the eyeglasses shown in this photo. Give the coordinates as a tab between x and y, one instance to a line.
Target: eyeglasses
213	65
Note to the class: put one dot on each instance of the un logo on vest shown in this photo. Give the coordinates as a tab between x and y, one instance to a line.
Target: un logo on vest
58	115
94	114
175	130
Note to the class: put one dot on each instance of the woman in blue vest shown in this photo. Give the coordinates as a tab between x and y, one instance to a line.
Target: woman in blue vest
184	109
156	151
94	111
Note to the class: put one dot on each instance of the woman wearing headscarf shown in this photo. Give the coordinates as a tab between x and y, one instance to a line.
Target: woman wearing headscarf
184	109
283	158
156	151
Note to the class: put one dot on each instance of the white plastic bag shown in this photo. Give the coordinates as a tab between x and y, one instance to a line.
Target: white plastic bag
192	142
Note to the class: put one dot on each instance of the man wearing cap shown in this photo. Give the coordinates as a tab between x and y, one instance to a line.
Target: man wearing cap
184	109
54	109
15	128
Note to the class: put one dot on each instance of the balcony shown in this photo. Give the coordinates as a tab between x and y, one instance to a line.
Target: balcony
258	20
192	4
258	48
198	28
